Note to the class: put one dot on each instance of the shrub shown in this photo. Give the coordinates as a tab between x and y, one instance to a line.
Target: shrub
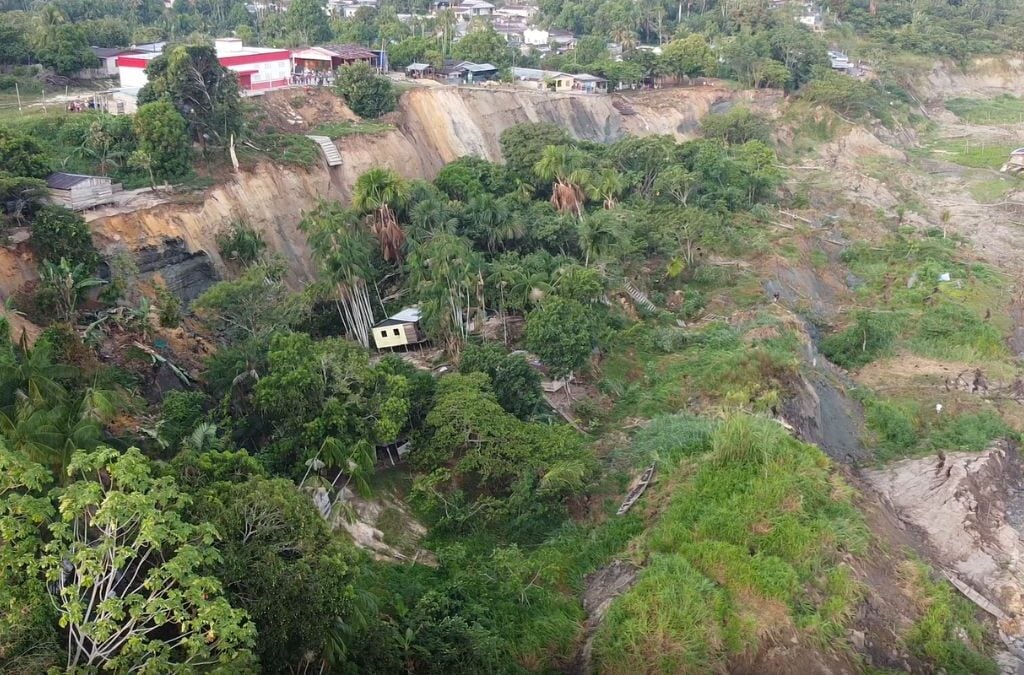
365	92
59	233
168	307
736	127
846	95
241	243
179	414
870	337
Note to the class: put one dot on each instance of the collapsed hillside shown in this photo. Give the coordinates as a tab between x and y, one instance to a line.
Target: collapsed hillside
433	126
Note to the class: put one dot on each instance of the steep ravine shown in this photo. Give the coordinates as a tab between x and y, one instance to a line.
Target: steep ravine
175	240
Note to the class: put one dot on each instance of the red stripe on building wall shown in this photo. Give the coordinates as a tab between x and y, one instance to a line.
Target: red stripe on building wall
130	62
246	59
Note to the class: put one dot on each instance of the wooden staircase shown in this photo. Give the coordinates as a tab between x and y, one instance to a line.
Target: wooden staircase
330	150
639	298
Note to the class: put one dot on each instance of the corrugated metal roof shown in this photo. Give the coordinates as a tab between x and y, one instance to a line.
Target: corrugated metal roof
536	74
351	52
409	314
417	66
478	67
587	77
107	52
66	181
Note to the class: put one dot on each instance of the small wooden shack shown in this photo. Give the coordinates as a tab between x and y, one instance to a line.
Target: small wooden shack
78	191
399	330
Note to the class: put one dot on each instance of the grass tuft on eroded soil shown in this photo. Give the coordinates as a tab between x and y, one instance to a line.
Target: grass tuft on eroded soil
750	545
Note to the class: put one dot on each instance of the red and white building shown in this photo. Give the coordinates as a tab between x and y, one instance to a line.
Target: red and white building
258	69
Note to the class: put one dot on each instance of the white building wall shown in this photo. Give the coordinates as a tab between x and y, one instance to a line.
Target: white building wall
132	77
535	36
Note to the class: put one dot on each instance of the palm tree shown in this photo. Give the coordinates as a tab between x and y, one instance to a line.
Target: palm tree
33	376
504	276
607	186
601	235
446	273
342	247
202	439
380	193
494	220
564	166
431	215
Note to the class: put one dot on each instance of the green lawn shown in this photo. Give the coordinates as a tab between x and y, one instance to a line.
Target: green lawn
1003	109
970	152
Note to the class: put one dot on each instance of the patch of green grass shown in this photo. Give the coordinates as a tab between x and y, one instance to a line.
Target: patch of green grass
754	533
948	635
904	427
283	149
671	438
994	189
714	364
950	331
1004	109
905	305
971	152
337	130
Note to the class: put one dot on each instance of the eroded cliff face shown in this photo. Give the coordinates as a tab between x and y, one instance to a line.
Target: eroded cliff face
176	240
982	77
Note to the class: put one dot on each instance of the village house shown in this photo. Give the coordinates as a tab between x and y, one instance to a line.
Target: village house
589	84
349	8
107	58
79	192
399	330
550	80
466	72
469	9
521	12
418	71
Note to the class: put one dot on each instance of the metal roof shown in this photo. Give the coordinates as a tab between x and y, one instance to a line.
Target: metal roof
66	181
417	66
587	77
477	67
107	52
350	51
409	314
536	74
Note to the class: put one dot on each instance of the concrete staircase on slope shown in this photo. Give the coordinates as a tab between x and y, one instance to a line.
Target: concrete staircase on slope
331	153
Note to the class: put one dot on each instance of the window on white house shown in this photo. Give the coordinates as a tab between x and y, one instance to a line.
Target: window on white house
383	333
397	332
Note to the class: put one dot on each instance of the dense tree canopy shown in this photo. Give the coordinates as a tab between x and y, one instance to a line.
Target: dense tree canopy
200	88
163	138
365	92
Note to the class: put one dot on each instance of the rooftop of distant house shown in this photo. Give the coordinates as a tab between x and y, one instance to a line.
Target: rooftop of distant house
66	181
351	51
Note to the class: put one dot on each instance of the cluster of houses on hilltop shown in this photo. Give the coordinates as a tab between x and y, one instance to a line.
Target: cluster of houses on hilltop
466	72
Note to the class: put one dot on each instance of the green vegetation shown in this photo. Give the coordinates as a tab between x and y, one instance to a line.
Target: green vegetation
911	307
761	522
1003	109
971	152
949	631
337	130
906	427
365	92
